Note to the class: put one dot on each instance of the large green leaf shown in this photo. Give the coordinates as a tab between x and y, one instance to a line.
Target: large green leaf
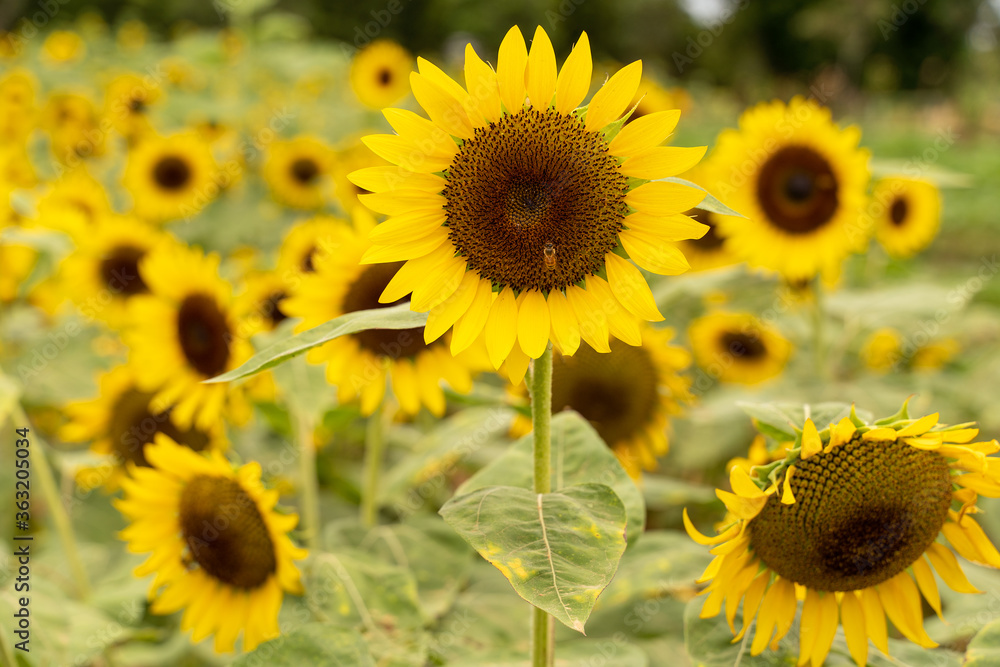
984	649
709	203
396	317
558	550
311	644
579	456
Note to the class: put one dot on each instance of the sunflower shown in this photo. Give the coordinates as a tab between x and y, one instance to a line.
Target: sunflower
127	102
628	395
63	46
711	250
102	275
738	347
935	355
510	228
357	156
17	105
121	422
219	549
73	127
359	364
259	306
75	204
911	215
380	73
800	180
298	172
849	522
171	176
306	242
184	332
882	350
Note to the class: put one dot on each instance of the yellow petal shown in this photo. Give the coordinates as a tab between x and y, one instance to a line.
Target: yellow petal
897	601
565	327
947	567
661	198
978	538
743	508
786	495
484	91
470	325
752	600
438	286
928	586
852	617
644	132
574	77
392	177
404	386
704	540
875	624
630	288
884	433
414	272
541	73
590	314
445	314
428	382
511	65
827	629
436	75
423	134
742	485
501	327
399	150
533	324
622	324
407	227
920	426
652	254
811	443
411	250
662	162
842	432
614	97
516	365
671	227
403	201
444	110
809	626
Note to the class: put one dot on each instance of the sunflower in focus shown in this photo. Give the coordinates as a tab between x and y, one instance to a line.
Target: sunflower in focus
538	202
73	127
850	523
219	548
911	215
306	243
738	347
628	395
380	73
298	172
882	350
171	176
127	102
62	47
121	422
801	182
359	364
184	332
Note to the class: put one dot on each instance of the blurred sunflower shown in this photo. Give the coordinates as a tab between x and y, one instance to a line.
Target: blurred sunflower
360	363
652	97
171	176
628	395
882	350
184	332
306	242
132	35
848	522
935	355
18	261
63	46
259	305
738	347
711	250
73	127
121	422
219	549
356	156
911	215
127	102
76	191
17	105
536	200
801	182
298	172
380	73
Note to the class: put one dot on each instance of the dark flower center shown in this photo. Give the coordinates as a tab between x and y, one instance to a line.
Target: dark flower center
798	190
898	211
533	188
120	271
384	76
225	532
172	173
710	241
743	345
304	170
363	294
132	426
272	308
203	332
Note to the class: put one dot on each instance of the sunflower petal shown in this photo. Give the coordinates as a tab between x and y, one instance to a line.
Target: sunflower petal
852	617
511	65
652	255
662	162
947	567
444	315
574	78
661	198
393	177
565	327
533	324
590	314
484	92
644	132
630	288
501	327
541	74
470	325
444	110
614	97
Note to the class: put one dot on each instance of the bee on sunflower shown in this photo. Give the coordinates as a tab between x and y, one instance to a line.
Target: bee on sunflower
849	522
911	215
171	176
298	172
738	347
380	73
510	202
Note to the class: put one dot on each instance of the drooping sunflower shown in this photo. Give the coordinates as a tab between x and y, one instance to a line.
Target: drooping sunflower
127	102
121	422
849	522
801	182
628	395
102	275
184	332
738	347
306	242
911	215
171	176
219	549
298	172
380	73
360	363
506	211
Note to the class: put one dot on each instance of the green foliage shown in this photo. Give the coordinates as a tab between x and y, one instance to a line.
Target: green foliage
311	644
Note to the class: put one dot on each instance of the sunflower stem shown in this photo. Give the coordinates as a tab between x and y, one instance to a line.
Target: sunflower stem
374	452
542	646
309	481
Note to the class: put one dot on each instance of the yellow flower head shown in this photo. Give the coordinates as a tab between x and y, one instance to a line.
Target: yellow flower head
738	347
171	176
298	172
380	73
910	215
63	46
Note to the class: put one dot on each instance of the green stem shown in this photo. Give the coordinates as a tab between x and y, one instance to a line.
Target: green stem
47	482
542	646
374	452
308	480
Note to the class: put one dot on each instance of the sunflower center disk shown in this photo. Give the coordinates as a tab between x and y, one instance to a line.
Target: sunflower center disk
616	392
898	211
535	201
863	513
225	532
744	346
204	334
797	189
304	170
172	173
711	240
363	294
132	426
120	271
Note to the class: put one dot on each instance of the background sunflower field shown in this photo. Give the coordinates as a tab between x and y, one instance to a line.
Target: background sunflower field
194	190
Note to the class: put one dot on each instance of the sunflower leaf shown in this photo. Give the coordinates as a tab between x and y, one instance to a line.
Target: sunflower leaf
311	644
396	317
709	203
558	550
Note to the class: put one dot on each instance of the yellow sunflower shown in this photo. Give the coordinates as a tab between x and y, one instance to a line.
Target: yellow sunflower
710	251
171	176
738	347
306	242
882	350
219	549
628	395
73	126
935	355
911	215
800	180
102	275
359	364
17	105
298	172
507	229
849	522
380	73
127	102
121	422
184	332
259	305
63	46
78	192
